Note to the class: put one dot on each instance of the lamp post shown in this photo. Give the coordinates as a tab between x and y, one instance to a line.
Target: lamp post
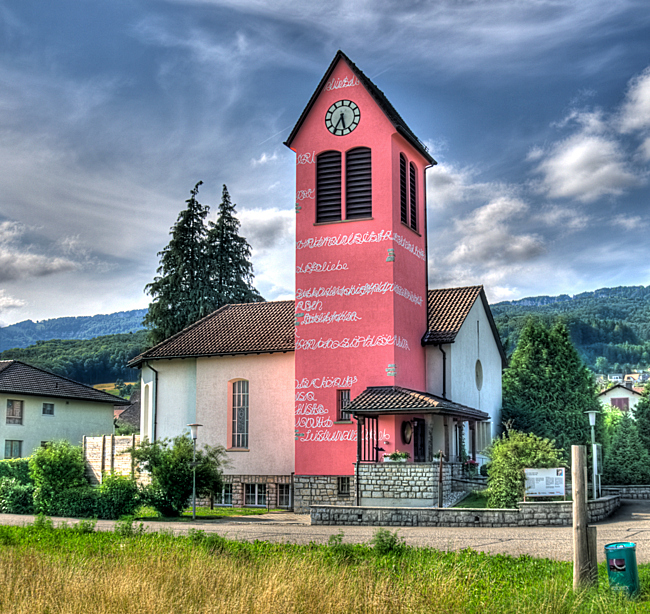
194	430
592	423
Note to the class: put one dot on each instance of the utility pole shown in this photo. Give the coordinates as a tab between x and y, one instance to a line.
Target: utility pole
585	571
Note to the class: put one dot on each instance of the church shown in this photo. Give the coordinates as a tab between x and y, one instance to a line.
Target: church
310	396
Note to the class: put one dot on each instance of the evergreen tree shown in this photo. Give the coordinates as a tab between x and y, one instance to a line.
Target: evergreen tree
179	291
627	461
547	389
642	417
229	256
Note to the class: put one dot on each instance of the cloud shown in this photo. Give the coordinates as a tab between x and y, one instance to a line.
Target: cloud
563	218
265	158
635	111
9	302
629	222
586	166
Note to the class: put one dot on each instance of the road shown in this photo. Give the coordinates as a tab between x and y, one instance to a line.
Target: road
630	523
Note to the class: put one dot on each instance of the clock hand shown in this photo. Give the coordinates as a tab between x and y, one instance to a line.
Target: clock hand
341	119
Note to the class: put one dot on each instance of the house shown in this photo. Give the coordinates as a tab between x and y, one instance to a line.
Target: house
367	360
41	407
131	413
623	397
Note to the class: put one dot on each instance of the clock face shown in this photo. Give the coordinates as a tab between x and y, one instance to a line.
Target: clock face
342	117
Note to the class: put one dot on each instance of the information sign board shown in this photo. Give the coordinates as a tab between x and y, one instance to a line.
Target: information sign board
545	482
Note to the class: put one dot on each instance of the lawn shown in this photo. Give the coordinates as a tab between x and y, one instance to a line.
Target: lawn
78	570
204	513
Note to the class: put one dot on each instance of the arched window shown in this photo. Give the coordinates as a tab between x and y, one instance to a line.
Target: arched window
240	413
328	186
358	183
403	202
413	197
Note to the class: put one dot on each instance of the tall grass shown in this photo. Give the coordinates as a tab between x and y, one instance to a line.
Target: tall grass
72	570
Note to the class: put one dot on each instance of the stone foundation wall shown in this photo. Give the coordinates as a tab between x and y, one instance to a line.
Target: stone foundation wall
272	491
628	492
319	490
527	515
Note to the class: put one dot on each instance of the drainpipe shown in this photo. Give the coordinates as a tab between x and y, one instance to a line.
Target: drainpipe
155	400
356	469
444	372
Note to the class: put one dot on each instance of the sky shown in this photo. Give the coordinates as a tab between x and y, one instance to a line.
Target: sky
537	112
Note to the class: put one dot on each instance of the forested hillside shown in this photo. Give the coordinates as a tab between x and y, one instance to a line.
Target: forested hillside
91	361
27	333
610	327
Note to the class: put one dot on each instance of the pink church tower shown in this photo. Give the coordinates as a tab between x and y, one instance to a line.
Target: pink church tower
361	267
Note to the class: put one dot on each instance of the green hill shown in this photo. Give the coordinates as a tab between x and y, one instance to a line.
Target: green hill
612	323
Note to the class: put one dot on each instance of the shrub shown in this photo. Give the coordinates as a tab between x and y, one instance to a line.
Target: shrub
169	463
16	497
626	461
17	468
55	468
117	496
386	542
509	455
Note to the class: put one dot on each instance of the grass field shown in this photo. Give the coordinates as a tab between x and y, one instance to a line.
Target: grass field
204	513
78	570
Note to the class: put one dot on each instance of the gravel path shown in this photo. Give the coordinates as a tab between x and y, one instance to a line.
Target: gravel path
630	523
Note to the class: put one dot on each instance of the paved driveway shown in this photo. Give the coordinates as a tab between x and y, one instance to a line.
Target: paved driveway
630	523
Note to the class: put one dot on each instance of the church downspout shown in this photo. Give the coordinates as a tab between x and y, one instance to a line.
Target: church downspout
444	372
356	468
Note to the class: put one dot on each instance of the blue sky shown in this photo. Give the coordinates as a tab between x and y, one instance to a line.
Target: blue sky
538	114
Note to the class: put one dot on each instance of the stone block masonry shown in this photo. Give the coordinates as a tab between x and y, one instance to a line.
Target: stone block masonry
555	513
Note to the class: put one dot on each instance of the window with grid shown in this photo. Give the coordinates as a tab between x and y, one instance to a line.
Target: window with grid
255	494
13	448
48	409
343	486
240	414
342	401
284	495
14	412
225	497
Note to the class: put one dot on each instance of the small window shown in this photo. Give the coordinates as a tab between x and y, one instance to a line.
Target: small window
13	448
342	401
328	186
284	495
622	403
225	497
413	196
14	413
479	375
343	486
48	409
240	414
255	494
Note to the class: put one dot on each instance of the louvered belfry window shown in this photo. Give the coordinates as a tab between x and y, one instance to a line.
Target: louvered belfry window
328	186
403	202
413	197
358	183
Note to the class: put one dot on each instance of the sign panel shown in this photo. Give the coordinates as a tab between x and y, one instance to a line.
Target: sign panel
545	482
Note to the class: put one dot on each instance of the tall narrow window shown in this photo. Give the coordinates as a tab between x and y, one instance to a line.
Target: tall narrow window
240	414
328	186
413	197
14	412
403	202
342	402
358	183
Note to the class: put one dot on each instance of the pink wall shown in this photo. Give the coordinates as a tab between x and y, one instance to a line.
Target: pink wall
349	337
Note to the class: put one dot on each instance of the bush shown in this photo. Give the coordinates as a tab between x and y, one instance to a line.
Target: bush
54	469
509	455
386	542
169	464
16	497
17	468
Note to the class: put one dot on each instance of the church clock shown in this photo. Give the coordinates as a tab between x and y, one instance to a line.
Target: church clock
342	117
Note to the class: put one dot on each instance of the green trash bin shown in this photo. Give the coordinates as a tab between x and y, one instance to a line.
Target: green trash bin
621	567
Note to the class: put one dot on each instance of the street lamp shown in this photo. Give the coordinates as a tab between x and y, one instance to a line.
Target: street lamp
594	450
194	430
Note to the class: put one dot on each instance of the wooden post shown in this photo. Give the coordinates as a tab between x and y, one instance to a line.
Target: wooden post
583	573
132	460
101	466
112	454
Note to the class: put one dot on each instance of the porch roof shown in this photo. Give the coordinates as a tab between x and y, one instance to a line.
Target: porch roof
383	400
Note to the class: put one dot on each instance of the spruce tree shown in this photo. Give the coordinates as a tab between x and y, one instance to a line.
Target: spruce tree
179	291
642	417
627	461
547	389
229	257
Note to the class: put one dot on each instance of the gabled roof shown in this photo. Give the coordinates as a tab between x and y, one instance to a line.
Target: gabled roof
245	328
265	328
637	391
17	377
447	310
379	97
131	414
376	400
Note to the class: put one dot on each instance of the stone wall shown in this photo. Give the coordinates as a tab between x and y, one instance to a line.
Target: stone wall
238	487
320	490
109	454
556	513
628	492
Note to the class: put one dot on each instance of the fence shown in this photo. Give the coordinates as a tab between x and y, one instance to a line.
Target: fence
109	454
